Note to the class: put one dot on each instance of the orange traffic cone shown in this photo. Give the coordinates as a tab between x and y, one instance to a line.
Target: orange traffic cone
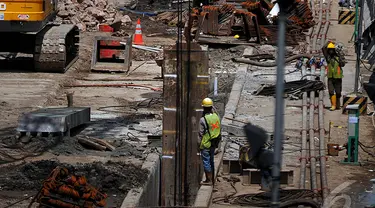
138	39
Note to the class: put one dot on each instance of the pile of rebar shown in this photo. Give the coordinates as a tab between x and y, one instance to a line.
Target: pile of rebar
219	20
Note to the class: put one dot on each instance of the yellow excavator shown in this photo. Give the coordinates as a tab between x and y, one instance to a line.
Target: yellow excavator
27	26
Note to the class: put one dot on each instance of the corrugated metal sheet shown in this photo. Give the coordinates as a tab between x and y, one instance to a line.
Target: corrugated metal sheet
369	31
368	13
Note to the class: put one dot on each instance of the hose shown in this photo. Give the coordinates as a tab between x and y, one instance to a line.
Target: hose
299	202
288	198
271	64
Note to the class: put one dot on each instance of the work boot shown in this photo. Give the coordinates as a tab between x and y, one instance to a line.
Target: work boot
208	181
338	104
333	103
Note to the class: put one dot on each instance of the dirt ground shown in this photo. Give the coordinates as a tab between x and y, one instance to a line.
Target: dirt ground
121	116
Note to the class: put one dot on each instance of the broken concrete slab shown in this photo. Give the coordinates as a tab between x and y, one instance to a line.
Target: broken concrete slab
54	120
233	129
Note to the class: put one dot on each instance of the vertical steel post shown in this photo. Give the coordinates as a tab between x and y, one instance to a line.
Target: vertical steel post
358	44
279	111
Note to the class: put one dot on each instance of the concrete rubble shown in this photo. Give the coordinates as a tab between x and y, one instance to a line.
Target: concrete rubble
87	14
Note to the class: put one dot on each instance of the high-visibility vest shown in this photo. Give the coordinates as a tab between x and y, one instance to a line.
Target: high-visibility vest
333	68
212	131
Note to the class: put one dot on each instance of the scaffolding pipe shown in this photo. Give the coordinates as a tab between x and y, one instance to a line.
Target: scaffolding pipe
323	173
326	25
322	142
313	181
304	136
317	31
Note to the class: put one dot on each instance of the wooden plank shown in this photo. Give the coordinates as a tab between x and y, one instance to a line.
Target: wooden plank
253	176
91	144
105	143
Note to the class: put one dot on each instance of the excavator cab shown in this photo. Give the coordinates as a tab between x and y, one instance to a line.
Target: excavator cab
27	26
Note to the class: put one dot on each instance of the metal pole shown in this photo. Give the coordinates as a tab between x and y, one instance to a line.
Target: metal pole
322	143
318	27
323	173
279	111
312	141
304	136
359	44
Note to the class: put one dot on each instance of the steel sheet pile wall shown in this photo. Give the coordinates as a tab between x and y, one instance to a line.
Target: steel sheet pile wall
180	164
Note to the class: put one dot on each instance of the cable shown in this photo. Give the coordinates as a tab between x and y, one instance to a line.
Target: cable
366	146
288	198
369	153
299	202
17	202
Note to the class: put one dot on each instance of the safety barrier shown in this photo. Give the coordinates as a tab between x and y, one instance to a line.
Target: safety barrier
350	100
346	17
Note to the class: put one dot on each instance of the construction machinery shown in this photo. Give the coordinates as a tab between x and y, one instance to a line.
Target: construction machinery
28	27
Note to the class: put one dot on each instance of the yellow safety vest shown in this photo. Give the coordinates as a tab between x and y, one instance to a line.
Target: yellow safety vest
334	69
213	130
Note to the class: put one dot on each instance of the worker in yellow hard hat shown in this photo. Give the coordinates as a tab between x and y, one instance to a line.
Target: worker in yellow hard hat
209	139
334	73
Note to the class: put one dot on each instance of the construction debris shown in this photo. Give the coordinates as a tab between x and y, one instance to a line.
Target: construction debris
91	144
113	178
88	14
293	89
61	189
252	23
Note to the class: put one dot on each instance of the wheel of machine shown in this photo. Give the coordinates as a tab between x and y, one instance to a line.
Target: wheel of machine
56	48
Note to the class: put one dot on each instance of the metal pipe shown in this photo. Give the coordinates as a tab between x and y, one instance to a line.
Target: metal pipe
279	111
322	143
359	45
317	31
304	136
69	97
313	181
323	173
215	86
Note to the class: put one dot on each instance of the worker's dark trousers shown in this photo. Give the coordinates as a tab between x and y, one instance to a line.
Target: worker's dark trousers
266	178
212	157
335	87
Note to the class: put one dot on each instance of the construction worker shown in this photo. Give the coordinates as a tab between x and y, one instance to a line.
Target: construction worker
209	139
334	74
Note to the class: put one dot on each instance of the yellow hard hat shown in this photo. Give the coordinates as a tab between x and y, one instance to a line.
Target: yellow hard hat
207	102
236	36
331	45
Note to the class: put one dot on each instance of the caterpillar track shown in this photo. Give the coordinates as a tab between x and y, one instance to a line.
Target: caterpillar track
56	48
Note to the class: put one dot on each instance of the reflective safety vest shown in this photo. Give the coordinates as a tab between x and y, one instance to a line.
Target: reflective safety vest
334	69
212	131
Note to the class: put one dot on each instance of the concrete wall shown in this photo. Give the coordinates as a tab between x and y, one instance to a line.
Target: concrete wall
149	194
